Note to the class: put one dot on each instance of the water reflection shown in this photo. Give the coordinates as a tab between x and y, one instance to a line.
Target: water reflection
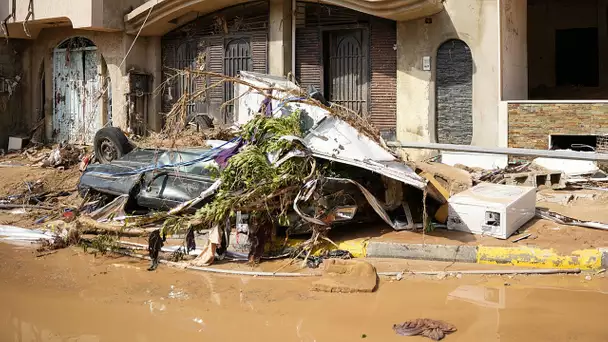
491	297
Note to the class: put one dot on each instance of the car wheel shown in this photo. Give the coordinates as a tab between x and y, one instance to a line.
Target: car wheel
111	144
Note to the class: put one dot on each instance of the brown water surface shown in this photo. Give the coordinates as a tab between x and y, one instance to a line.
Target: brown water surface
73	296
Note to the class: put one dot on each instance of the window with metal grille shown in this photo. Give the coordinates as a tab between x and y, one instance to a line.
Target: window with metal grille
237	57
185	58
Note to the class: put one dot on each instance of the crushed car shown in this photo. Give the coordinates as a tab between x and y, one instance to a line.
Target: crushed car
161	180
296	162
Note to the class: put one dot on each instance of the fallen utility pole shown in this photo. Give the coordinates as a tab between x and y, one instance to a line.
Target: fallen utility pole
521	152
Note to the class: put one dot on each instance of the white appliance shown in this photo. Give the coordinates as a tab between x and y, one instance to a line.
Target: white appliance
492	209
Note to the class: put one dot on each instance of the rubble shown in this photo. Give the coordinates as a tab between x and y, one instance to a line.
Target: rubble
565	220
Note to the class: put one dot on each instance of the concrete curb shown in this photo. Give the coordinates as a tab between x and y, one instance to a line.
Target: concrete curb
421	252
530	257
588	259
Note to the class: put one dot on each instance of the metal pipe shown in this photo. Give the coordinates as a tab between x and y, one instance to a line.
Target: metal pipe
222	271
523	152
493	272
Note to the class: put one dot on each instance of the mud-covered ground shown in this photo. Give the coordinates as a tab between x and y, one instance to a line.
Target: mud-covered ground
585	205
74	296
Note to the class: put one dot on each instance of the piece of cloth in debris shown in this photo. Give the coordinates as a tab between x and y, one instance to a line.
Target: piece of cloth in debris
190	241
433	329
266	106
207	256
155	244
222	158
258	234
63	155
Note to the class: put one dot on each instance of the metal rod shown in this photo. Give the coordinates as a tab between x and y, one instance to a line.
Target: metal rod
494	272
521	238
574	155
222	271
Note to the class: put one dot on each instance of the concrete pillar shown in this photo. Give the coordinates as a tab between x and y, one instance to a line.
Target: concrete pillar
155	68
280	50
514	49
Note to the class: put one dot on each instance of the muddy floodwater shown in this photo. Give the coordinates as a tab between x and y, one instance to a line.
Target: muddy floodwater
73	296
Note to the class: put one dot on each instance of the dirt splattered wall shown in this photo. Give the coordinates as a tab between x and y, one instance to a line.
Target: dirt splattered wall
111	46
11	114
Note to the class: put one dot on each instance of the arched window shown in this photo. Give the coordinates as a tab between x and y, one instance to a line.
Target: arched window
76	43
454	91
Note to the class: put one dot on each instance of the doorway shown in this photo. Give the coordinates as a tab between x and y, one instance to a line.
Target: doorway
346	72
76	113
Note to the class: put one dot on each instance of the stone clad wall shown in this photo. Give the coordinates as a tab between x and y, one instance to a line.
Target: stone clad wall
530	124
454	82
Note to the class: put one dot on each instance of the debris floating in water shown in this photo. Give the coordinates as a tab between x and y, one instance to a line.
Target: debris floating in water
433	329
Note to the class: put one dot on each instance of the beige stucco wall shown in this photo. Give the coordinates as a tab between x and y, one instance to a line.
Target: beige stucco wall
114	12
104	15
476	23
112	47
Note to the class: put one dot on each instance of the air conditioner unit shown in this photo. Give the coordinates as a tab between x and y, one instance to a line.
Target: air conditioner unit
492	209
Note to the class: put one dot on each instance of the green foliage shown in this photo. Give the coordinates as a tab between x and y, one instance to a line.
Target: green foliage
174	224
249	180
105	243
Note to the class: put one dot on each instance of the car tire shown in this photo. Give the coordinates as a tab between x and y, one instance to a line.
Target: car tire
110	144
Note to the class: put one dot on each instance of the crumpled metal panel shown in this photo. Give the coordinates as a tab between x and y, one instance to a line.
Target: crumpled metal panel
328	137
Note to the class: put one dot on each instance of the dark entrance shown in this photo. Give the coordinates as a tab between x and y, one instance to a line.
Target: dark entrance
346	73
576	57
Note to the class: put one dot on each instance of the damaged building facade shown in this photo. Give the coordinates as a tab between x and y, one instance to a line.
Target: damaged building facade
457	72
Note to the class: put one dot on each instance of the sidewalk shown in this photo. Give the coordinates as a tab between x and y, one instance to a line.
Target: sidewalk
550	246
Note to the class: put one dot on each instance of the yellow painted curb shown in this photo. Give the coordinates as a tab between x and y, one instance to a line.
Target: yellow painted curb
587	259
356	247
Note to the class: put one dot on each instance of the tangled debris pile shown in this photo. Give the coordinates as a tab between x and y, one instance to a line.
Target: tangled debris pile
292	164
295	166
